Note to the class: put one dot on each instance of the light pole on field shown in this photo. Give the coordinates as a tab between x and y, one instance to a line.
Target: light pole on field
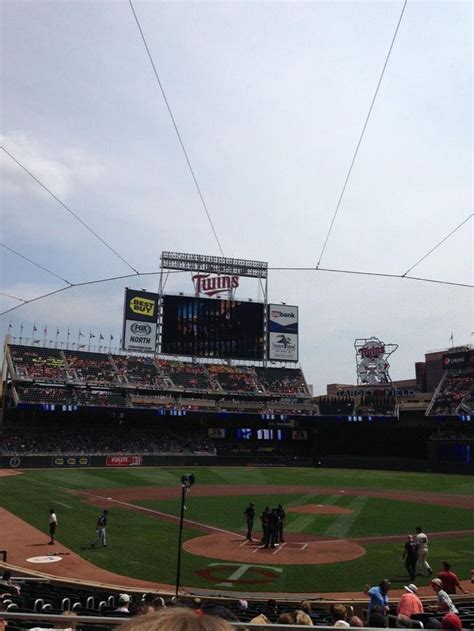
187	480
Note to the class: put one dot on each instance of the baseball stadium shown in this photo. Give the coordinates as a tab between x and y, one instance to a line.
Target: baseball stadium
237	383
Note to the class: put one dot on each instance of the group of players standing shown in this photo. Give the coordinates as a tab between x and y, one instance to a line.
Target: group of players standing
273	522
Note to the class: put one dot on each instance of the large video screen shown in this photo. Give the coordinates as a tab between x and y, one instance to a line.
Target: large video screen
204	327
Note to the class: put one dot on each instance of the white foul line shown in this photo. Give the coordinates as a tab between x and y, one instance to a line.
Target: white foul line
157	512
279	548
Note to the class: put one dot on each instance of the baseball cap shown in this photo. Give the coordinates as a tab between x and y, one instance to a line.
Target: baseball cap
413	589
243	605
451	621
437	581
124	598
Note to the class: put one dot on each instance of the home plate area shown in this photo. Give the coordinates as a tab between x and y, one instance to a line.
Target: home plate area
298	549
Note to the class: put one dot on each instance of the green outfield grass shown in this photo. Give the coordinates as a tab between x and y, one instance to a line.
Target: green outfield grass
145	547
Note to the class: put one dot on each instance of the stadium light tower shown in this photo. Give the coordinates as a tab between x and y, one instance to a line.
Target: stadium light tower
187	480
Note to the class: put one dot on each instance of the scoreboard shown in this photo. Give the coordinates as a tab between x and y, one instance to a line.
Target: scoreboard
206	327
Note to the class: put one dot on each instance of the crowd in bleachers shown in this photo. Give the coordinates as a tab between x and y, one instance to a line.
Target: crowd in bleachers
455	391
151	610
38	363
234	378
282	380
374	404
45	365
104	440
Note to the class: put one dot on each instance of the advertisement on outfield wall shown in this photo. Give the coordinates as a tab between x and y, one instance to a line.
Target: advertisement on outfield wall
140	321
70	461
124	461
283	333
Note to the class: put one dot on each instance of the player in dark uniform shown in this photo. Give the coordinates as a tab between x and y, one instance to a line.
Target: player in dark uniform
249	513
273	524
100	529
282	515
264	519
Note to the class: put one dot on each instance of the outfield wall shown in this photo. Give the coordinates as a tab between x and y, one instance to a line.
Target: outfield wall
340	462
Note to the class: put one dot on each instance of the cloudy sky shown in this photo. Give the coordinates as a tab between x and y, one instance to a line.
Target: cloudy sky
270	99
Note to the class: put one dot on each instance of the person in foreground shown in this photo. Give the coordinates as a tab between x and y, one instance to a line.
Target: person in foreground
176	619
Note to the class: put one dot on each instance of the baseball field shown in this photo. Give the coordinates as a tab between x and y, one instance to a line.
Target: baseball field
344	528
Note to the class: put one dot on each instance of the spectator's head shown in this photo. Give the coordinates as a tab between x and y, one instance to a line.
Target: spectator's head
305	605
302	619
338	612
411	588
271	604
451	621
286	618
6	576
124	600
242	605
385	585
433	623
260	619
197	603
176	619
436	585
377	620
446	566
355	621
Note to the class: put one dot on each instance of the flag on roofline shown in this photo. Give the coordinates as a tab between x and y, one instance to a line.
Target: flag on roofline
91	335
101	337
45	329
34	328
81	334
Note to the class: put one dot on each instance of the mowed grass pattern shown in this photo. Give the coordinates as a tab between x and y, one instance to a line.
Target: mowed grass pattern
143	546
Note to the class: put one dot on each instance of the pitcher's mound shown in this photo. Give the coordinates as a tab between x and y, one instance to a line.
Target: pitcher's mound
319	509
229	547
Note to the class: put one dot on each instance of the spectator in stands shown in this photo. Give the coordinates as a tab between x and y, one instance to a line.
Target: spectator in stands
410	602
377	620
378	595
260	619
7	586
451	621
197	606
410	556
355	621
403	622
271	608
302	619
177	619
445	604
286	618
339	615
123	604
450	580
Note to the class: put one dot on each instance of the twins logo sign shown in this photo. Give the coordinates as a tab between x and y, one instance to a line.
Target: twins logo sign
372	360
230	574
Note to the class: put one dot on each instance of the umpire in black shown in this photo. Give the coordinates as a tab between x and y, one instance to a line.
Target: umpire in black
249	513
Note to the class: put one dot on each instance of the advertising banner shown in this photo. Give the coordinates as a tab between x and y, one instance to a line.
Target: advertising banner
461	359
140	321
283	333
124	461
